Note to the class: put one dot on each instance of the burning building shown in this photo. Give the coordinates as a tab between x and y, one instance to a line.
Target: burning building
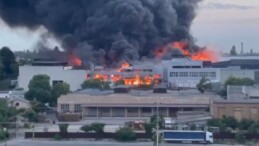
132	75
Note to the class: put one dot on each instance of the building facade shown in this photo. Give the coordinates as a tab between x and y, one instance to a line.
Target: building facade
240	109
133	105
56	73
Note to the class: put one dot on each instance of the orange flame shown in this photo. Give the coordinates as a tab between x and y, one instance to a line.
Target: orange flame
74	60
135	80
202	55
123	66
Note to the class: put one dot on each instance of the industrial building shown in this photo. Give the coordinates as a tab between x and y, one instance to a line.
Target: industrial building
134	104
177	72
242	103
57	71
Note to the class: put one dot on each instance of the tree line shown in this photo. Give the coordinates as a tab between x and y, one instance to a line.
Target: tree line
9	68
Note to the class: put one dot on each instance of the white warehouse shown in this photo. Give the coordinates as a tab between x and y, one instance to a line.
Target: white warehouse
184	72
58	72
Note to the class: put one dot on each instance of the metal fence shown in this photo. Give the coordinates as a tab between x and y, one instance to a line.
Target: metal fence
71	135
80	135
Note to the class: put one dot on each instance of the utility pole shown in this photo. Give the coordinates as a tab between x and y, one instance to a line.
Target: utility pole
157	124
33	131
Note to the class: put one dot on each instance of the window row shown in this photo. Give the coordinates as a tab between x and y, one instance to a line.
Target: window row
65	108
193	74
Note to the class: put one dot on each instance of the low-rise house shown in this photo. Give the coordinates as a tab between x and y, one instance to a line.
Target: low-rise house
242	103
136	104
19	103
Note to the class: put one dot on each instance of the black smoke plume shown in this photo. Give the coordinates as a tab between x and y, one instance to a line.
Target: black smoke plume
106	32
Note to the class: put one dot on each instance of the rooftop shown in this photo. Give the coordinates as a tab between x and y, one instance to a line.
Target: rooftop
243	63
139	97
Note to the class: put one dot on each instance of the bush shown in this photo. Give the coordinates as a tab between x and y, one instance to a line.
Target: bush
86	128
57	137
229	122
63	128
149	127
96	127
254	128
193	127
161	121
245	124
26	126
214	122
240	137
125	134
3	135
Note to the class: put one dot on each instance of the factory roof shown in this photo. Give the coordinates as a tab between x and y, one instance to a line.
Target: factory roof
243	63
139	98
236	101
48	62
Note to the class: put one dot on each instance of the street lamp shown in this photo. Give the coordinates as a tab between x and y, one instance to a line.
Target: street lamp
157	123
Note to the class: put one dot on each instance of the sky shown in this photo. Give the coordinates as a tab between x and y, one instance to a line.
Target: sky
219	24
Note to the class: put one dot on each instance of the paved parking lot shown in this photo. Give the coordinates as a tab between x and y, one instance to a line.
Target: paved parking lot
25	142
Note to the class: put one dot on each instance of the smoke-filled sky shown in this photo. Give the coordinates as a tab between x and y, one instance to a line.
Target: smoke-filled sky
219	23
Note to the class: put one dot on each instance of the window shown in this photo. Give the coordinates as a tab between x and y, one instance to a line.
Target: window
212	74
173	74
132	110
64	107
78	108
202	74
183	74
146	110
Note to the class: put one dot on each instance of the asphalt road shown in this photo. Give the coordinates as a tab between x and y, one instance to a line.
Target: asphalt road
23	142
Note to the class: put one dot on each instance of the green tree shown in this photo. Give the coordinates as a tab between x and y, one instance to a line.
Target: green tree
204	84
7	114
8	59
40	81
41	95
58	90
239	82
31	115
229	122
39	89
236	82
125	134
245	124
149	127
63	128
214	122
98	127
240	137
160	119
86	128
254	128
233	51
95	84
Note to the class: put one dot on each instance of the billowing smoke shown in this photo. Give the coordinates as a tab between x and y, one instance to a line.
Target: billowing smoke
105	32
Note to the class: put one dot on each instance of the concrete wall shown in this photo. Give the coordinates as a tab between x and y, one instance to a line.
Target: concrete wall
239	111
21	104
73	77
